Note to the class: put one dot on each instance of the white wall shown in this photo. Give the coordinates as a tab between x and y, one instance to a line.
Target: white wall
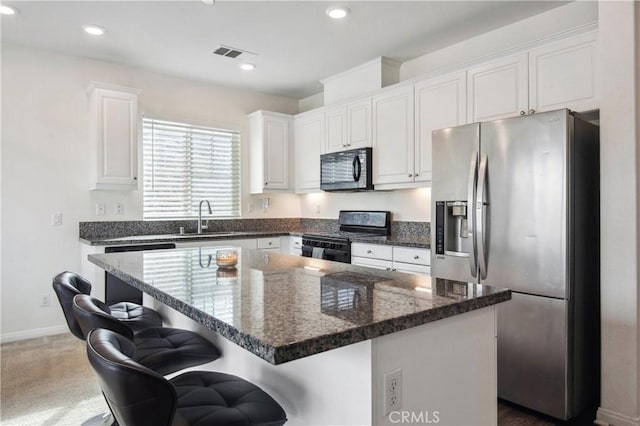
620	194
406	204
45	166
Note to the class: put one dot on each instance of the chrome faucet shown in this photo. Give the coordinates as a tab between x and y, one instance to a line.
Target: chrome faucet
200	226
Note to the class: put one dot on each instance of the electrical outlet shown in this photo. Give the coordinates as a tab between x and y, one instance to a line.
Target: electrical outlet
392	391
118	207
45	300
101	209
56	219
317	208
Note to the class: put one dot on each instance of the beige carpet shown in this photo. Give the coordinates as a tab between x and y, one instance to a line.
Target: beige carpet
48	381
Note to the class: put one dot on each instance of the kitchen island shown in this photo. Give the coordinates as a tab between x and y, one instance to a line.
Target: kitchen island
321	336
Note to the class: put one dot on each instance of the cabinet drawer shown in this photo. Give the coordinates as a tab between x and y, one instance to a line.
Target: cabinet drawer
371	263
374	251
267	243
412	255
411	268
296	243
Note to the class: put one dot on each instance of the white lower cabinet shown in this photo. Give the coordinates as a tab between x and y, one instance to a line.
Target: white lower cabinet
271	244
392	258
295	245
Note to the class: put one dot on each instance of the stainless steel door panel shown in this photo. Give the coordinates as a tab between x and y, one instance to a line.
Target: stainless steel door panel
452	151
527	192
452	148
532	353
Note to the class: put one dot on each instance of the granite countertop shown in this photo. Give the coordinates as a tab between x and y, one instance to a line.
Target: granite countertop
283	307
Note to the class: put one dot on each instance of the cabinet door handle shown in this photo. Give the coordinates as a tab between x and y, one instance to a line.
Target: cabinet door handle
369	252
266	183
393	269
410	175
522	113
416	174
387	269
416	257
135	178
270	243
532	111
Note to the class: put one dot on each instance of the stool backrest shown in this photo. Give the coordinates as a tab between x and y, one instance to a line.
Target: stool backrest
91	313
136	395
67	285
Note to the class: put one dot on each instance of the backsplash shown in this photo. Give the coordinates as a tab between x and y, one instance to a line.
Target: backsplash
115	229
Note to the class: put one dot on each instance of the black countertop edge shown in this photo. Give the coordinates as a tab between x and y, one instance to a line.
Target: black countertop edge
291	352
235	235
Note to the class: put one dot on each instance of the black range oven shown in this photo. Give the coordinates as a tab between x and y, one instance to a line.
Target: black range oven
336	246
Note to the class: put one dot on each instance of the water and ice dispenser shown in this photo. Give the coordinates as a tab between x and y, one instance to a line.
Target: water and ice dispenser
452	228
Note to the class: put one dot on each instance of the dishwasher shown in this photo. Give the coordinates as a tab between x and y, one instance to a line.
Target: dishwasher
116	290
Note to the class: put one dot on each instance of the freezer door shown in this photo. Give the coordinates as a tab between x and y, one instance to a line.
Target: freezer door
532	353
523	221
453	151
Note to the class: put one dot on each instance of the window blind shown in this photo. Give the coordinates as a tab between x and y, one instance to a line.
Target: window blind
185	164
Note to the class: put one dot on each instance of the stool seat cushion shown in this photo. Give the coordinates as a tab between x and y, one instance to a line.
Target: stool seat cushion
210	398
136	316
167	350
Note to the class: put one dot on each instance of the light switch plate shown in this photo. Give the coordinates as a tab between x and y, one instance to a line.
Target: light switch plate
56	219
101	209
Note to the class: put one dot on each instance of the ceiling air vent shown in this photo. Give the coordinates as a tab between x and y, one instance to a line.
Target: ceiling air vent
231	52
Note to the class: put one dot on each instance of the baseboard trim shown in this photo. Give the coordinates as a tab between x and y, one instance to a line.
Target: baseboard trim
611	418
32	334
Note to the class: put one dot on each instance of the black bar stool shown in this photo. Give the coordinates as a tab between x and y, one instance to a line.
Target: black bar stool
68	284
163	350
138	396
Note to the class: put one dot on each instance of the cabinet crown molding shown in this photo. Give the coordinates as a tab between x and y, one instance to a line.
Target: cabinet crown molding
108	86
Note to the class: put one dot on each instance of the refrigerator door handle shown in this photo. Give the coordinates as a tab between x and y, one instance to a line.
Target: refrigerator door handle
480	216
471	211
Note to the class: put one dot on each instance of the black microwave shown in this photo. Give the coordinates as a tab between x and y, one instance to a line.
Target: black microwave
346	170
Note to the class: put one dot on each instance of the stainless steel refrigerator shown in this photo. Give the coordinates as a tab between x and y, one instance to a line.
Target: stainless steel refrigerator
515	203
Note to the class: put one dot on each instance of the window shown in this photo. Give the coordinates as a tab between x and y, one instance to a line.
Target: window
185	164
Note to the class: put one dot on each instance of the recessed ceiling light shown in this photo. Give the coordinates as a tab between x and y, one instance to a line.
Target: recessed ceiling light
337	12
93	29
247	67
7	10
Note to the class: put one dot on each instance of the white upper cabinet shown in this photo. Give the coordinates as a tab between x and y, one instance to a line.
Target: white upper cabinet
440	102
359	124
564	74
336	128
269	151
348	126
498	89
393	136
309	140
114	136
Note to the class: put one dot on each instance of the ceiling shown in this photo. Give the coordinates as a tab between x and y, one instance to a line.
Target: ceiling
296	43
